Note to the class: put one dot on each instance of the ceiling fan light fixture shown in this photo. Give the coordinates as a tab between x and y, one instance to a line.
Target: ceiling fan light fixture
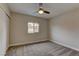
40	11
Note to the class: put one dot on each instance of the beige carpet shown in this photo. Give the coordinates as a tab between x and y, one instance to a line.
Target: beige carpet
41	49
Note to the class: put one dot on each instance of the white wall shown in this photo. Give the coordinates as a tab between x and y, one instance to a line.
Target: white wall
18	29
4	32
5	8
4	29
64	29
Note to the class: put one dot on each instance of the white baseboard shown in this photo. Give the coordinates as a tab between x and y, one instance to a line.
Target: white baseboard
65	45
23	43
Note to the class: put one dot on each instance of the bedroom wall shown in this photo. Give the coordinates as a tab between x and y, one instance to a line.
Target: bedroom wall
4	29
5	8
18	29
64	29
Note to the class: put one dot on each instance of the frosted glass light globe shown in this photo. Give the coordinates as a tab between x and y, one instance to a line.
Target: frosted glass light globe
40	11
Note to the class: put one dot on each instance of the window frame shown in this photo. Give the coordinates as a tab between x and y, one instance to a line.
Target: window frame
33	27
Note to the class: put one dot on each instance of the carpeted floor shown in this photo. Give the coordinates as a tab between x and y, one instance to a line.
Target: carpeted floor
41	49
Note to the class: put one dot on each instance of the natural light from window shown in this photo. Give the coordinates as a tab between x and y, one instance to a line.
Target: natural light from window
33	27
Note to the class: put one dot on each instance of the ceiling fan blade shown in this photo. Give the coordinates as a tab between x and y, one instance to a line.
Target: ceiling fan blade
47	12
41	9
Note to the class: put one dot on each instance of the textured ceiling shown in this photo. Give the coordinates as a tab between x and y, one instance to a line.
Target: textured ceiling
31	8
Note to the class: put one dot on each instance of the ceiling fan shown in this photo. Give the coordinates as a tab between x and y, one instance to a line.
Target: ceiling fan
41	10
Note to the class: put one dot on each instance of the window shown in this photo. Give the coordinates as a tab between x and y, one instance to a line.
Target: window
36	27
33	27
30	27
